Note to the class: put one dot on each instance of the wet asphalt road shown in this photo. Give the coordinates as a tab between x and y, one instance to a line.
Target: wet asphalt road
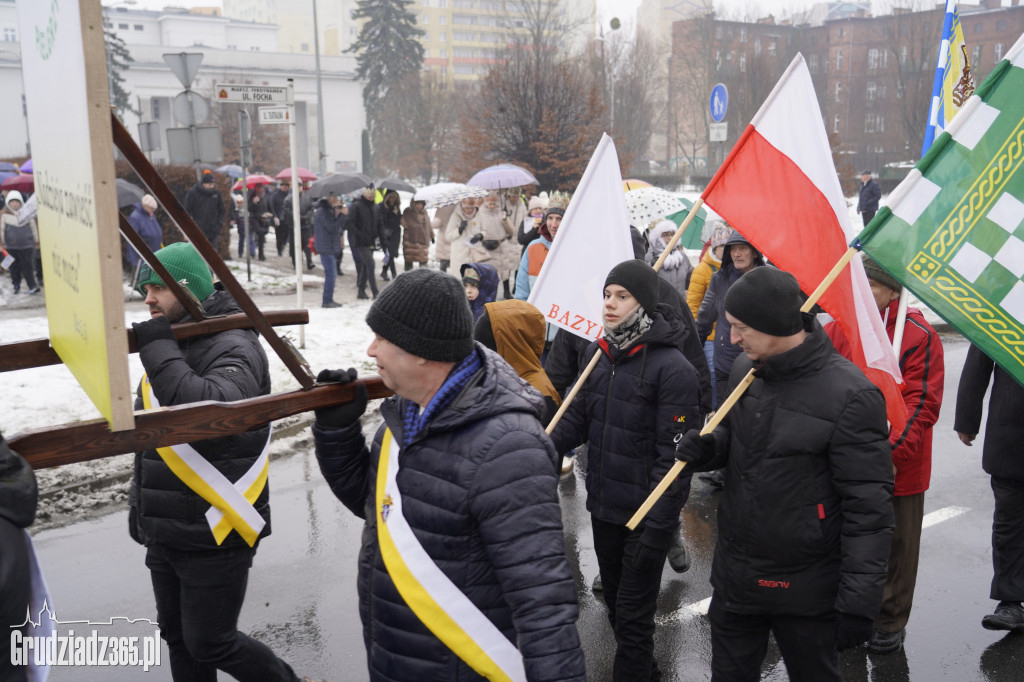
302	598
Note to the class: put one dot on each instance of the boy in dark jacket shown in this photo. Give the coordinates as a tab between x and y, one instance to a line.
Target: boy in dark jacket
199	547
459	493
640	396
805	521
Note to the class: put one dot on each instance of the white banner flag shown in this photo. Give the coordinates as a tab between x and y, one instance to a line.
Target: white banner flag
592	239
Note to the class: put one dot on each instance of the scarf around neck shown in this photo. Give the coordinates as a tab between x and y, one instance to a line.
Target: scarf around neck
629	329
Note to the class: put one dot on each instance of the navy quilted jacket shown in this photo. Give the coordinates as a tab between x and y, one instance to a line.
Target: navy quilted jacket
629	411
479	489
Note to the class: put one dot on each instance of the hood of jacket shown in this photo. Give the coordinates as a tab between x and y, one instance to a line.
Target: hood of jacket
488	281
709	258
494	390
518	329
18	491
737	238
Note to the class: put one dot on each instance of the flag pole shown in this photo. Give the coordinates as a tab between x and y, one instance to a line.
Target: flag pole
597	355
734	397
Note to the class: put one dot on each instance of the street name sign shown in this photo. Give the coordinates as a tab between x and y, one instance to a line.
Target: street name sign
64	65
274	115
250	94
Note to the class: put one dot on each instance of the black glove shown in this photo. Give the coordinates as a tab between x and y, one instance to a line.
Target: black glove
152	330
694	448
852	630
341	416
477	238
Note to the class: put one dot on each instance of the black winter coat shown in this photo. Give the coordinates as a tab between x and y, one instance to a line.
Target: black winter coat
327	228
712	310
206	206
479	489
362	223
227	366
805	521
629	412
868	196
306	209
18	496
1004	430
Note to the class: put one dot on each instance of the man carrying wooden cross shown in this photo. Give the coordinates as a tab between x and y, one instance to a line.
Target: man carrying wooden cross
201	508
805	524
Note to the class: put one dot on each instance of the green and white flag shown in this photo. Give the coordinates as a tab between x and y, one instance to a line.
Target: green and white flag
953	231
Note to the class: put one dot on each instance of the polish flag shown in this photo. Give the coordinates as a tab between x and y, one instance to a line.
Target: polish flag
780	189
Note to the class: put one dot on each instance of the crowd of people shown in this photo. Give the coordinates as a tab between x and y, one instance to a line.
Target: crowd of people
462	568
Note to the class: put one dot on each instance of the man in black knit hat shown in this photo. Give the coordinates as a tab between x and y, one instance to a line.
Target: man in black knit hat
805	520
459	493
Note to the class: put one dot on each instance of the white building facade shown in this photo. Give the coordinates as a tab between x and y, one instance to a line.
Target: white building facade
233	51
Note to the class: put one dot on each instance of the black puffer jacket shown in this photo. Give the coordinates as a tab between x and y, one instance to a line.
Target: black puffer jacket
479	491
1004	430
712	308
227	366
629	411
362	223
18	495
805	520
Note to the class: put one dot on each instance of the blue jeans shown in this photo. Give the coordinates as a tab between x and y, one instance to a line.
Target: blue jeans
198	598
330	263
709	353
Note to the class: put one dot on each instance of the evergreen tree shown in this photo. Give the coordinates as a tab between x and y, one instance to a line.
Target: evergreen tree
387	51
118	59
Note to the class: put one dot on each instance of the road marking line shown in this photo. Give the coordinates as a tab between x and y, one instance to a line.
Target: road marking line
944	514
700	608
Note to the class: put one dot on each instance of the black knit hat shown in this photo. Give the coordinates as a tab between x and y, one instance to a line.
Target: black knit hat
639	279
766	299
874	271
425	312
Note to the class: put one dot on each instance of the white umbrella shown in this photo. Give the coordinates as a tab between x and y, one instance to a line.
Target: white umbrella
648	204
502	176
449	195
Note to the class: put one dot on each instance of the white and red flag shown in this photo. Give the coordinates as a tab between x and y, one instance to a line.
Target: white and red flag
780	189
592	239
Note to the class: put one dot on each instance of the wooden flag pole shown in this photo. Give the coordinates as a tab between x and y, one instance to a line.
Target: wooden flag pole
593	361
734	397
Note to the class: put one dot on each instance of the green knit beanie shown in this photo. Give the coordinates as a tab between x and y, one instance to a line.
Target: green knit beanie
186	266
874	271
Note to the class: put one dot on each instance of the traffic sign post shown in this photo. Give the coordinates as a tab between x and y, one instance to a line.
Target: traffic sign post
718	102
289	117
275	114
189	108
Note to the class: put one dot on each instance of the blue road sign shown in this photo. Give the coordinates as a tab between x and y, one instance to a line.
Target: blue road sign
719	102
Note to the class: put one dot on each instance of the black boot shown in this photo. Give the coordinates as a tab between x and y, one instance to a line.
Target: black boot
507	294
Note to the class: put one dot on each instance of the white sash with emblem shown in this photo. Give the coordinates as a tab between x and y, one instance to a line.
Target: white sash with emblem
431	595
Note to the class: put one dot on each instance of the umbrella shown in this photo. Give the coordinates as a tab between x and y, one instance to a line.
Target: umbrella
503	175
231	170
430	191
26	167
395	184
7	166
305	175
634	184
339	183
128	194
691	239
8	174
648	204
253	180
22	183
453	196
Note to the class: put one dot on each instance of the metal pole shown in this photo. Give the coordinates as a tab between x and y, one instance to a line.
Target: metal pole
296	231
319	97
195	138
243	117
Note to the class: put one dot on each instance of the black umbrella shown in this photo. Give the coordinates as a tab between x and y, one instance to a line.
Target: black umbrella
339	183
395	184
128	194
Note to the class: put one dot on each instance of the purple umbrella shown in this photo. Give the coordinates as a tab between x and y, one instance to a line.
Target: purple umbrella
26	167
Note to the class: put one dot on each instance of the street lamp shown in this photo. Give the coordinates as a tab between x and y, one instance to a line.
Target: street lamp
319	97
614	24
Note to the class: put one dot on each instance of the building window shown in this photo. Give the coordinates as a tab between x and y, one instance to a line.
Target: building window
771	47
1001	25
757	47
998	51
975	55
881	124
743	62
304	47
903	55
813	61
841	30
442	37
718	32
442	3
154	108
443	53
10	35
835	123
978	28
839	92
869	123
839	60
871	90
442	20
872	59
424	18
123	27
743	35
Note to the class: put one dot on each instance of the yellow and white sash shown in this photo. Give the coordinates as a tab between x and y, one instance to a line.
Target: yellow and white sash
232	504
431	595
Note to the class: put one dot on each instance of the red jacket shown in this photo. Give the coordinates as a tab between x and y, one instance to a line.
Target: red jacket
923	372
